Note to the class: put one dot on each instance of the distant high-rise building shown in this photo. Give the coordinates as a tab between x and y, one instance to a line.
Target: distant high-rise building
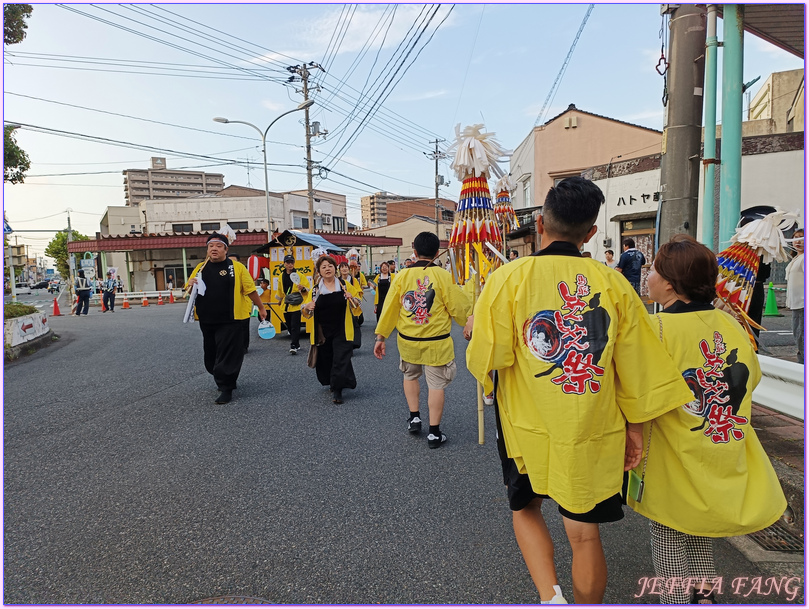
375	208
157	182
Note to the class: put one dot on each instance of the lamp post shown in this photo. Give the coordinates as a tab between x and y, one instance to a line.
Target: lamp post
263	134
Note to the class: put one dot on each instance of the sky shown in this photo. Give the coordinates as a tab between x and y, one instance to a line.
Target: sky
152	77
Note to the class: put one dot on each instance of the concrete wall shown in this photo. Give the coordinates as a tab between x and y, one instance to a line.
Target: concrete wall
162	213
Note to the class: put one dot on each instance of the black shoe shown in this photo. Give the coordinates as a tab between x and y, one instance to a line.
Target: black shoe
337	398
224	397
414	425
434	441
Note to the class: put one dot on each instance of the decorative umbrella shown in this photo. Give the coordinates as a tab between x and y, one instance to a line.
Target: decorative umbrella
761	240
476	158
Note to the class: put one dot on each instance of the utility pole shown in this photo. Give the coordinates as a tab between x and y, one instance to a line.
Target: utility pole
304	74
69	266
680	165
436	156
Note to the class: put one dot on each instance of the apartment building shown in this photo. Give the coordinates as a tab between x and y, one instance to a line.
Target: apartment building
399	211
158	182
375	207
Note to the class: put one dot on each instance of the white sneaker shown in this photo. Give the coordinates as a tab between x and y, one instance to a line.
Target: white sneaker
557	599
488	399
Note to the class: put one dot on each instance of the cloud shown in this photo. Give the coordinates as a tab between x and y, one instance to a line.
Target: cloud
422	96
273	105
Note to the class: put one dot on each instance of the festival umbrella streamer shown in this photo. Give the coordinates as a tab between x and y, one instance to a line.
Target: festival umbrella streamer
759	241
476	157
503	209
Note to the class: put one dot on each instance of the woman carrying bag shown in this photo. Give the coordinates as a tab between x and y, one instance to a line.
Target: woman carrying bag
704	473
381	285
334	305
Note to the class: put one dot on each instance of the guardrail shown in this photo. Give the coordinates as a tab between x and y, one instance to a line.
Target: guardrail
781	387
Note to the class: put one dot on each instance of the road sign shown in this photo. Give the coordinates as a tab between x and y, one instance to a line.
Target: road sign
6	228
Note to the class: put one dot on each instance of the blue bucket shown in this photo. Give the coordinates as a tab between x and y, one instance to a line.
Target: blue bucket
266	330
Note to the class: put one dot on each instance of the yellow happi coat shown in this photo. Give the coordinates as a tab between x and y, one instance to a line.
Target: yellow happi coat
351	312
707	473
576	357
421	303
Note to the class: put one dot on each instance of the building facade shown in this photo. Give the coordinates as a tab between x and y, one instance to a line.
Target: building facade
375	207
399	211
158	182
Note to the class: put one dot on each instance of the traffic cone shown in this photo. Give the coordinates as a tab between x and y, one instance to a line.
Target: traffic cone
103	306
160	298
145	302
126	303
56	311
171	297
771	308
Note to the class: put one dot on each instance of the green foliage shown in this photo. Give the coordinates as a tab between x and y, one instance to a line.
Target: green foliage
17	309
15	160
14	25
57	249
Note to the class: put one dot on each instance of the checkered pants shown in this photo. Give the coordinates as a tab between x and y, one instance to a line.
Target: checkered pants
678	556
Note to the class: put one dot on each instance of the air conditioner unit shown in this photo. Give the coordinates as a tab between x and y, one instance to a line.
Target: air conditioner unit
326	219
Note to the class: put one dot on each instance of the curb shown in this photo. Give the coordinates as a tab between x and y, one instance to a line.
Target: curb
12	354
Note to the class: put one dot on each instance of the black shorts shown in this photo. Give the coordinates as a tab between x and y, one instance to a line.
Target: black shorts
521	493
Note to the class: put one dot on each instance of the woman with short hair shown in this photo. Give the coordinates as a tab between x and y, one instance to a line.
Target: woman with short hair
704	473
334	305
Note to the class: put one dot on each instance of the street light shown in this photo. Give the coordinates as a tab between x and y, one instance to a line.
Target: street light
302	106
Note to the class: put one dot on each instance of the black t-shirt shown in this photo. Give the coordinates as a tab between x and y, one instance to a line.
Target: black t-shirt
630	264
220	282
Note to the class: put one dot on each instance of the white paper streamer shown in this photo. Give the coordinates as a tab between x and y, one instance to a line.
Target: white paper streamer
765	236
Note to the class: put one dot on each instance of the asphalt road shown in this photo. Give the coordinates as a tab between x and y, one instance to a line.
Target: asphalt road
125	483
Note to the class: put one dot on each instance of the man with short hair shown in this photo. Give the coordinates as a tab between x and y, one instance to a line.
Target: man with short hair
223	311
108	294
513	255
630	263
421	303
575	357
288	289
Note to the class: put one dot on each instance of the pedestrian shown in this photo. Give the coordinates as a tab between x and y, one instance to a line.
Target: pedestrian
611	262
344	272
292	295
361	280
381	284
223	311
264	284
392	266
83	291
630	263
513	255
705	453
421	305
795	285
575	357
333	304
119	285
109	292
170	280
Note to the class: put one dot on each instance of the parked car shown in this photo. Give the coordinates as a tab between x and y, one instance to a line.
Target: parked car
22	288
40	285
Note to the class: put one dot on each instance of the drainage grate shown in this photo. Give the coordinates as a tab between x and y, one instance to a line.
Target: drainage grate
778	538
231	599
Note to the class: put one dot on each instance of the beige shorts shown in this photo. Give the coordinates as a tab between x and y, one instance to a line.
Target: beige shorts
438	377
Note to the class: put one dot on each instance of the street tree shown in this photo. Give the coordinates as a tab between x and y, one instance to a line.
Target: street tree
14	25
15	161
57	249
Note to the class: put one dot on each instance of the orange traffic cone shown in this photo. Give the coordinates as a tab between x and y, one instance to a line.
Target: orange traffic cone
171	297
160	298
145	302
126	303
56	311
103	306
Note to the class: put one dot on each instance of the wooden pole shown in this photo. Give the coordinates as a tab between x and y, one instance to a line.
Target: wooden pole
479	387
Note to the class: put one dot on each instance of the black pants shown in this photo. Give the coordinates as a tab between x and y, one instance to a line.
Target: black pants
293	320
223	348
109	300
357	334
246	334
84	301
334	363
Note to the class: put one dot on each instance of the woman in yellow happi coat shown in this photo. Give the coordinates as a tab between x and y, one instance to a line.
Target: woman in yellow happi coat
704	471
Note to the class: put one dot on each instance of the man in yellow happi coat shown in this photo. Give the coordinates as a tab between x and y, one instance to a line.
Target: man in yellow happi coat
421	303
576	358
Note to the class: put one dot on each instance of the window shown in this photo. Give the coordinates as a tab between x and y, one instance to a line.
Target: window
238	225
182	228
338	224
446	216
209	226
526	193
299	222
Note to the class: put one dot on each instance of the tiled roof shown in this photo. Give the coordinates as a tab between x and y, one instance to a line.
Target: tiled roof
573	107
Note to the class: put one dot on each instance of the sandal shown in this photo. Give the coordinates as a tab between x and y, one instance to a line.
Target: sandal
699	597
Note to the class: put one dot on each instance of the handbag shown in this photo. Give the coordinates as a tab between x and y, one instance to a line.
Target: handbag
293	299
311	358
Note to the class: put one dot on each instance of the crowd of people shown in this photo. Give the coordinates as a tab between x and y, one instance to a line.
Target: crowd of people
597	402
